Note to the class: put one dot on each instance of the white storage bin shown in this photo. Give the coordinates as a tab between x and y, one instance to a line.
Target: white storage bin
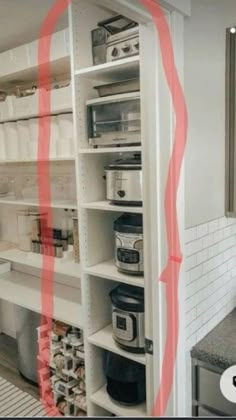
2	143
66	139
6	109
59	47
24	138
28	106
61	99
19	59
11	141
34	129
5	60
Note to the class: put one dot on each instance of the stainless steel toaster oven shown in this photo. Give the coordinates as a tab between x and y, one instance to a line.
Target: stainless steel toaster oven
115	121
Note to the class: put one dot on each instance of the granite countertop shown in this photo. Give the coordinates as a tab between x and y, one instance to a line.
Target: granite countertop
219	346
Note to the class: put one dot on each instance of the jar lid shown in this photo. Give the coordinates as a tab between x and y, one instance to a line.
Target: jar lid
129	223
128	298
131	163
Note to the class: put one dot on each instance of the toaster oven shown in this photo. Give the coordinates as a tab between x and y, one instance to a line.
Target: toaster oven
115	121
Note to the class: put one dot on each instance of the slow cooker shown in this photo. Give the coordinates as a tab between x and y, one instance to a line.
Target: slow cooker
124	181
128	317
125	380
129	243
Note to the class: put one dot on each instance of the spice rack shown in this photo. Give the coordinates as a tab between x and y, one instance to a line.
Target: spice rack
67	367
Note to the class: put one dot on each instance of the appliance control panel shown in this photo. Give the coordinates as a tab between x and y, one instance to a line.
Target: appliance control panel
124	325
122	49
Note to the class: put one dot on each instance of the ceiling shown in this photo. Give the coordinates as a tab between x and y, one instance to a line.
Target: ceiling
20	21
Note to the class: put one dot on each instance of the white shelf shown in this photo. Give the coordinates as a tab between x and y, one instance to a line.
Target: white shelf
104	339
124	69
102	399
114	98
107	206
25	290
34	203
63	266
59	159
108	270
101	150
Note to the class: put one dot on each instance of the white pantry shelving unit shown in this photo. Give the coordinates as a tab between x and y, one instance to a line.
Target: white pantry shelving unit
19	70
96	215
81	294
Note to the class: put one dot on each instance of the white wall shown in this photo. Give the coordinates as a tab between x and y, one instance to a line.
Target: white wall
205	94
210	250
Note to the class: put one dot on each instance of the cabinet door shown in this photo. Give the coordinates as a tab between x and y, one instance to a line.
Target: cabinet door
204	412
209	392
230	151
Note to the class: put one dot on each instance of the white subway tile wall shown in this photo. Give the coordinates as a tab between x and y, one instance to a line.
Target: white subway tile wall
210	251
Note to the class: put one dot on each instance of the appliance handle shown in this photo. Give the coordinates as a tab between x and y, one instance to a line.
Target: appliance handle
104	24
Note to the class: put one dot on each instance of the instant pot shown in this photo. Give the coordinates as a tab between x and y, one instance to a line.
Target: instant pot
129	243
128	317
124	181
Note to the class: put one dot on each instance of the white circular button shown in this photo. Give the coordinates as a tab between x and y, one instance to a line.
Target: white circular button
228	384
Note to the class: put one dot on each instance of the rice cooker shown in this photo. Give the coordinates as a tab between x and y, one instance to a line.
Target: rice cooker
128	317
124	181
129	243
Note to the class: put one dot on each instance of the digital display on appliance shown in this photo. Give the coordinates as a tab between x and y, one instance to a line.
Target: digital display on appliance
121	323
128	256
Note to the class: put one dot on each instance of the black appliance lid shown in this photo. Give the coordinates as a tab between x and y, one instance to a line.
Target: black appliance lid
129	223
128	298
131	163
124	370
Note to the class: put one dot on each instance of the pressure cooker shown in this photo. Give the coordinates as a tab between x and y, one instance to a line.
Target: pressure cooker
124	181
129	243
128	317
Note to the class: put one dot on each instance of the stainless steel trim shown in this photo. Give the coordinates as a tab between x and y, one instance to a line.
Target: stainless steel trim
230	124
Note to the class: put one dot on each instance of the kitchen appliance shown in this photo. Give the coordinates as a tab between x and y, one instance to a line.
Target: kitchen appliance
115	121
124	181
107	28
123	45
125	379
117	88
128	317
129	243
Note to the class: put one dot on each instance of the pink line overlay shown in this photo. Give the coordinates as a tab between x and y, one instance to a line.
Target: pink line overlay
44	192
170	275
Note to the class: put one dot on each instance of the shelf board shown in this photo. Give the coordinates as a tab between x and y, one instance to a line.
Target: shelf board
59	159
58	67
108	270
65	110
114	71
114	98
107	206
34	203
25	290
101	150
102	399
104	339
63	266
